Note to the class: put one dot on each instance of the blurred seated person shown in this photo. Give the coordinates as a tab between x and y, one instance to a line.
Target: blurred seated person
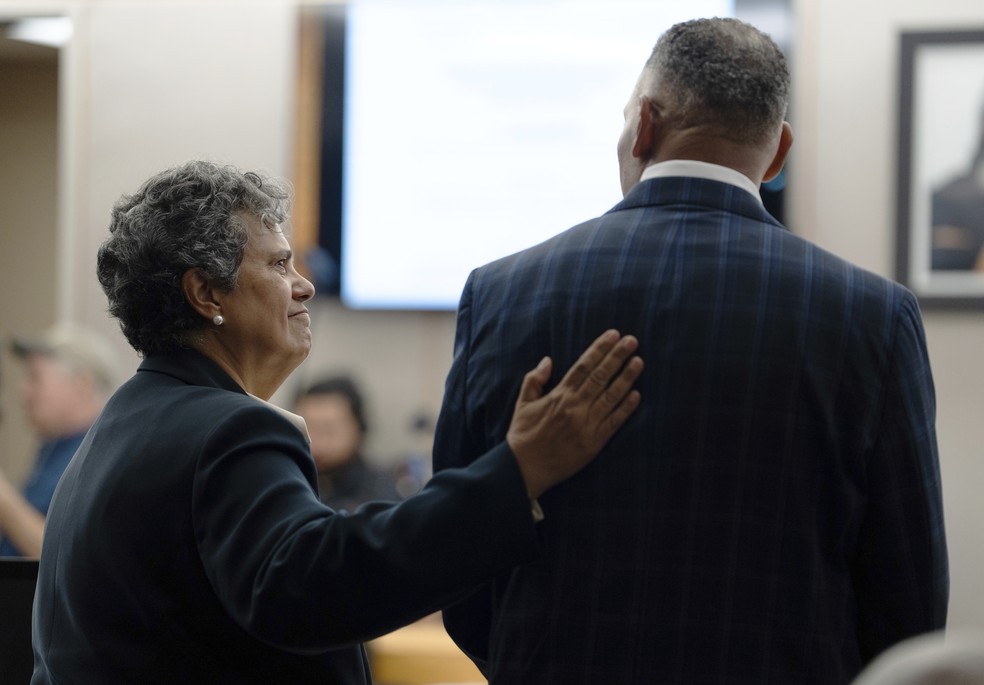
68	374
336	420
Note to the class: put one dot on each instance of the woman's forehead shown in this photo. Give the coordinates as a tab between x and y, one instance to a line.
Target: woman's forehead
265	241
262	224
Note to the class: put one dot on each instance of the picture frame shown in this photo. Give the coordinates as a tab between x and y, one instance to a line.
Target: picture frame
940	194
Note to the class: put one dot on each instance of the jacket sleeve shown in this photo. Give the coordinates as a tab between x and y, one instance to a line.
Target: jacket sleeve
468	622
299	576
455	443
901	568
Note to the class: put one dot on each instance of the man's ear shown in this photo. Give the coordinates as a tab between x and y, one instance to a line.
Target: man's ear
199	292
644	147
782	150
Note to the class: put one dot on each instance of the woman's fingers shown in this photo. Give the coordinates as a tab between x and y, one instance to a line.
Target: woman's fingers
589	360
618	401
533	381
555	435
592	374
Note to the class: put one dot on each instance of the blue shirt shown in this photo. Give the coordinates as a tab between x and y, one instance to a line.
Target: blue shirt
53	457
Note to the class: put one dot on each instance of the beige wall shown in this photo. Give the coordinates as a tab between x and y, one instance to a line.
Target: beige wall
222	90
28	228
843	196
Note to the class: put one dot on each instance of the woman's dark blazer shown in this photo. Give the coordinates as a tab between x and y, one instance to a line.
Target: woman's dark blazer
186	544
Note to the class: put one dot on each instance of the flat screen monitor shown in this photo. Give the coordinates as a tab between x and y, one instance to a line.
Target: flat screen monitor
476	128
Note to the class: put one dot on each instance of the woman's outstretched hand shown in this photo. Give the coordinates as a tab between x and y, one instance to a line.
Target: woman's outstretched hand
556	435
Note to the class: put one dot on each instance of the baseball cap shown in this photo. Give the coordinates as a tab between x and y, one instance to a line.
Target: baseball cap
76	347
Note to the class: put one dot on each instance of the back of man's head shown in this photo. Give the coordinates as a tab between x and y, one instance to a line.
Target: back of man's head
725	75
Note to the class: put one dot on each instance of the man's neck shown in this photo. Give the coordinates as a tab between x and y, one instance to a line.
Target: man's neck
699	146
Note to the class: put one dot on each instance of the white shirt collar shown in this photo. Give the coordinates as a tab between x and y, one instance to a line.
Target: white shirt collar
293	418
693	168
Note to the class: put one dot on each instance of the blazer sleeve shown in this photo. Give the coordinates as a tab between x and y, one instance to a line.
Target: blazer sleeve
297	575
455	443
901	567
468	622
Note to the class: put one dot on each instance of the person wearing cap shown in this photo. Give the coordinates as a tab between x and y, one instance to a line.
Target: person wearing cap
68	375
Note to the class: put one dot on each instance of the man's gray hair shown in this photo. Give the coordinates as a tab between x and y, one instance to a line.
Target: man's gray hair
724	74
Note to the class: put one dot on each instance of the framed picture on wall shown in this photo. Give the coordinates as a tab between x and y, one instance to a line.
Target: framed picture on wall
940	245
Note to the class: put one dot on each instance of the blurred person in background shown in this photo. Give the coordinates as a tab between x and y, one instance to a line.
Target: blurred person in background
334	411
68	373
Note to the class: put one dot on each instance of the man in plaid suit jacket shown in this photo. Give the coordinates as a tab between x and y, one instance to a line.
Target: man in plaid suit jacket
772	513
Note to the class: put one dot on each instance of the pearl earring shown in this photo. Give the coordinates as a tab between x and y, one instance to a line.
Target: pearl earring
218	320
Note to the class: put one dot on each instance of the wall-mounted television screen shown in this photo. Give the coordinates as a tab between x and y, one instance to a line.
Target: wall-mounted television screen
471	129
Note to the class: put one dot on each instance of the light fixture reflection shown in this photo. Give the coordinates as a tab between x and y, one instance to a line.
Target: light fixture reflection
50	31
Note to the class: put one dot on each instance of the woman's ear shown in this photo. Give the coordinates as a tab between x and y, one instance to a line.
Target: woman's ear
199	292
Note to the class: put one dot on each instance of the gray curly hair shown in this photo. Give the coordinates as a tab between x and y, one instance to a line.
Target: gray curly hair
723	73
190	216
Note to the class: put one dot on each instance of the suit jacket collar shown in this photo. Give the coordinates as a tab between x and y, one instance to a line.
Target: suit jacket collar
689	191
192	367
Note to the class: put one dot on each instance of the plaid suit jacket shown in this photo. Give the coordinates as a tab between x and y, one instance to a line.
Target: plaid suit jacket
771	513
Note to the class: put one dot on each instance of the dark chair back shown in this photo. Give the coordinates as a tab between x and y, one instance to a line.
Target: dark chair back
18	578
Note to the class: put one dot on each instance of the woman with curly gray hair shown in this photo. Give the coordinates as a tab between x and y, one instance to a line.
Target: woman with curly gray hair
186	541
194	216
